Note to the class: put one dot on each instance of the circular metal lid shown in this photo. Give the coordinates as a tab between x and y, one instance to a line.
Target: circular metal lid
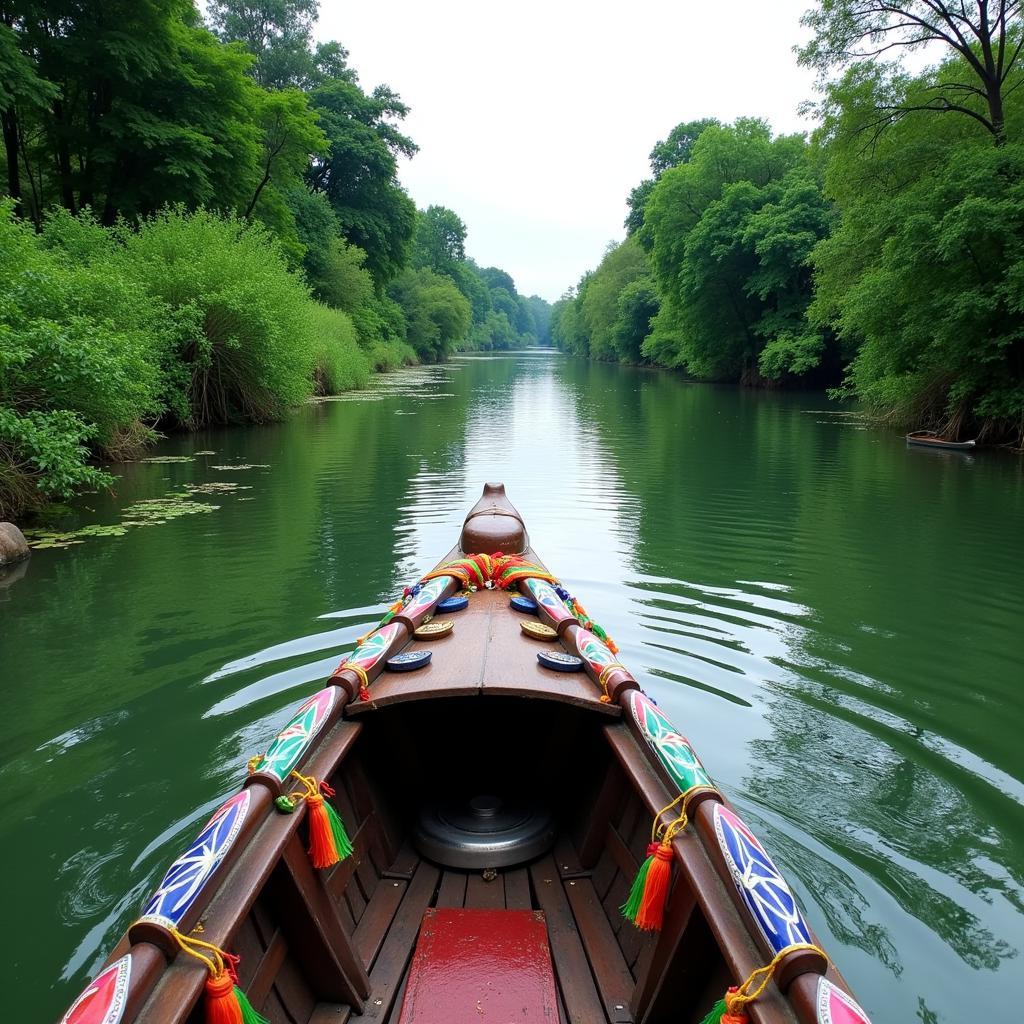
453	604
523	604
483	832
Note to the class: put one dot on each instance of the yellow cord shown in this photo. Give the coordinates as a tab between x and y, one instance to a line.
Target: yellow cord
364	679
735	1000
673	828
602	680
214	964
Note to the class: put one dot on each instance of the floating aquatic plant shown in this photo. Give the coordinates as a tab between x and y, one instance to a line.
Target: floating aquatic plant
243	465
163	459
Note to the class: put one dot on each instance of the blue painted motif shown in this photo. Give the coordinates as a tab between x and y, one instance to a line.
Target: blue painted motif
762	888
186	877
560	661
408	661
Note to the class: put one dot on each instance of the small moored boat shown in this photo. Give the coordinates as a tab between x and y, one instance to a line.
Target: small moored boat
505	828
928	439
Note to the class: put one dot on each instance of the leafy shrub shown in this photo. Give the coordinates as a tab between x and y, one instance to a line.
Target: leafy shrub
249	342
339	363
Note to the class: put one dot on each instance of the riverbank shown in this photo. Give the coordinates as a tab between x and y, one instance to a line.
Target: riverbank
112	337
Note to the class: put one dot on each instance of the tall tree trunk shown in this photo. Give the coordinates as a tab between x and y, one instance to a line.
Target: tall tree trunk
10	128
67	192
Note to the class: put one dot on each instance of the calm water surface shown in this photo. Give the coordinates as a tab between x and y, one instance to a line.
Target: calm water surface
833	619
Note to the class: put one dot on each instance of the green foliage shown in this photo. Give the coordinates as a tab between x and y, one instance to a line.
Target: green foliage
922	277
339	363
358	174
607	322
437	315
251	350
440	240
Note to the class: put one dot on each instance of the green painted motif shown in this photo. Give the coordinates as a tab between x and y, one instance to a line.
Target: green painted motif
592	650
294	740
673	749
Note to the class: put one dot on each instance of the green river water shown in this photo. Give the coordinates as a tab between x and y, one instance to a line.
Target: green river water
835	621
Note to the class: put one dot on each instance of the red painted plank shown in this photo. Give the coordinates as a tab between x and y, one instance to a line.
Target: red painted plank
474	965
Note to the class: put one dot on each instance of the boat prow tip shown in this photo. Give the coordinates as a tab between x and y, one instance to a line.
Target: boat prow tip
493	524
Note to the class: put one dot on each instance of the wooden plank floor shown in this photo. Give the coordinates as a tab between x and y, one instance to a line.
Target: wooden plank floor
594	980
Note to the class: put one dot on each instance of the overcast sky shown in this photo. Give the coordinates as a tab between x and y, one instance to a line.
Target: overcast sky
535	119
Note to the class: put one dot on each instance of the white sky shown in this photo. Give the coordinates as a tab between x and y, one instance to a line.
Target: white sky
534	120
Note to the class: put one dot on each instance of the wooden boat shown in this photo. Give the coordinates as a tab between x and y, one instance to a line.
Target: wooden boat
928	439
496	816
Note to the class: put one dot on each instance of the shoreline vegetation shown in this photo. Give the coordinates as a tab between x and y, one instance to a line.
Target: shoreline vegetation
202	223
882	258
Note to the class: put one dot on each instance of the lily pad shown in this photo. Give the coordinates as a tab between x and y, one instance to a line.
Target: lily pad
163	459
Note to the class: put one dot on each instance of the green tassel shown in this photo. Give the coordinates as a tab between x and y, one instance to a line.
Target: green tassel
636	893
341	841
249	1015
718	1011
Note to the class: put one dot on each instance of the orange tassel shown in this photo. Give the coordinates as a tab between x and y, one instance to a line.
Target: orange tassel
323	853
651	914
221	1005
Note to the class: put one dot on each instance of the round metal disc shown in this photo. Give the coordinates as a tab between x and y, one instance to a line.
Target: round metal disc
560	661
523	604
484	832
434	630
453	604
408	661
537	630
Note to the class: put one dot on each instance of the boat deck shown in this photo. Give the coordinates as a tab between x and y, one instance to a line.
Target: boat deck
595	980
486	655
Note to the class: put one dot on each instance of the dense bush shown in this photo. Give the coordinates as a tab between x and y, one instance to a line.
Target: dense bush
190	319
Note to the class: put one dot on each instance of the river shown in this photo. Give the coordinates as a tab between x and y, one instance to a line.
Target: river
835	621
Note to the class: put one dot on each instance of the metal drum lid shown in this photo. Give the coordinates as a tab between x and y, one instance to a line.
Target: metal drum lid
408	661
523	604
484	831
453	604
560	661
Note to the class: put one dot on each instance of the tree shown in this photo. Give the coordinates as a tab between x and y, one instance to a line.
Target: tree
359	172
21	90
730	234
667	153
290	137
922	274
986	36
437	315
278	33
440	240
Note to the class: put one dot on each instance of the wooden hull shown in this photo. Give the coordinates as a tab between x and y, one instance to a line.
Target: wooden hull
335	944
926	440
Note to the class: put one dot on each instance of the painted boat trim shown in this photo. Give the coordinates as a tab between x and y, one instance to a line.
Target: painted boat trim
186	877
547	598
592	651
429	593
673	749
295	738
834	1006
374	647
765	893
104	998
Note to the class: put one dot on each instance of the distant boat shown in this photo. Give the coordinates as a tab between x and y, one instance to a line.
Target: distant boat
929	439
